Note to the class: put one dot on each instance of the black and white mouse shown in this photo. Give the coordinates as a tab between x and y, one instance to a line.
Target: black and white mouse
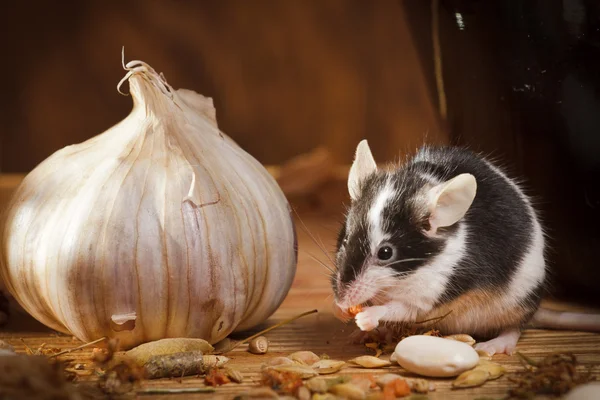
445	231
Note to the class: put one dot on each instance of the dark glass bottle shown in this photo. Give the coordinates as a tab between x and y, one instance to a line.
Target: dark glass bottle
522	82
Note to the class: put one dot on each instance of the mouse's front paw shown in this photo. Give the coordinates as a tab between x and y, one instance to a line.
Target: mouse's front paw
368	319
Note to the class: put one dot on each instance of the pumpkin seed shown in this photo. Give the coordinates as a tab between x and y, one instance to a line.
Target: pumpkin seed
348	391
304	357
462	337
471	378
370	362
303	371
324	367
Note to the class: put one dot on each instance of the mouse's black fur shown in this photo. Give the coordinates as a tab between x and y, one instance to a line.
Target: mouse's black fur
499	222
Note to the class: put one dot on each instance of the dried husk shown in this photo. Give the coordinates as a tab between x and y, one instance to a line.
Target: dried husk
142	353
120	235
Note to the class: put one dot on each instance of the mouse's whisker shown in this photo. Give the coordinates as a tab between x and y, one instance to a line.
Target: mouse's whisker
320	245
332	272
403	261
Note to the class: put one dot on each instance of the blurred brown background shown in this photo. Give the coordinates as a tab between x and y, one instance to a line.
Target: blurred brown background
290	76
286	76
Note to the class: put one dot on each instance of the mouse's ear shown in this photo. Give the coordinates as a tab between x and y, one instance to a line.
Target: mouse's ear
449	201
363	166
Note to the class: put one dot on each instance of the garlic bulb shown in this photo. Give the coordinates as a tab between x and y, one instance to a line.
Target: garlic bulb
162	226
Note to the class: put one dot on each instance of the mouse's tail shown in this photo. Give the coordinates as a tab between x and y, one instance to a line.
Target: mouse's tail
565	320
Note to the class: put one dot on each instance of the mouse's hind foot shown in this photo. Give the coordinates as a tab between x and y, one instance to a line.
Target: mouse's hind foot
505	343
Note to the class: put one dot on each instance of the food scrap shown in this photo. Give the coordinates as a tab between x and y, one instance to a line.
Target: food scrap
556	374
395	388
354	310
216	377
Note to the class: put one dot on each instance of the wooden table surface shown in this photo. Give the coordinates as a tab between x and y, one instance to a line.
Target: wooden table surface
320	333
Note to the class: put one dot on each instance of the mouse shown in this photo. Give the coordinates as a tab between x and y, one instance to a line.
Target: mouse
446	232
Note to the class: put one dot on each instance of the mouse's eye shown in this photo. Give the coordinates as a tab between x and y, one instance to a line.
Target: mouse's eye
385	253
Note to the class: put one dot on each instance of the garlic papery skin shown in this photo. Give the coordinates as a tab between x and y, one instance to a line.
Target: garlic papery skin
161	226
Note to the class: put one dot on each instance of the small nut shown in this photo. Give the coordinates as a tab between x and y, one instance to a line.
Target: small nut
258	345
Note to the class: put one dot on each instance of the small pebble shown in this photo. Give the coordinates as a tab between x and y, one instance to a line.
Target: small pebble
435	357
